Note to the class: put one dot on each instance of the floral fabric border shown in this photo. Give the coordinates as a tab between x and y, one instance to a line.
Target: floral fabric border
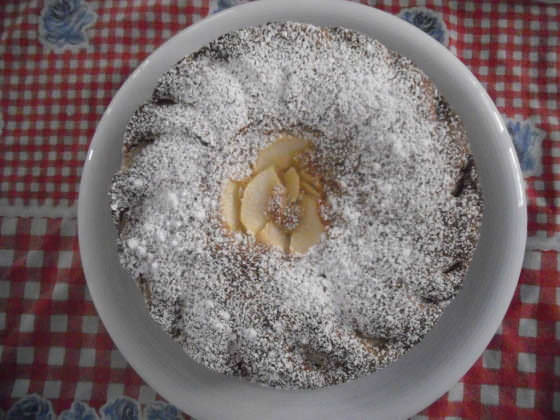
123	408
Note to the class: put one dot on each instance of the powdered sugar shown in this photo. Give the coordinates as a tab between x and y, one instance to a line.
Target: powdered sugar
398	242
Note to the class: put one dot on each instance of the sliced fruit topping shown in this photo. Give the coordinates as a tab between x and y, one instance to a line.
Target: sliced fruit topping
280	153
282	212
310	179
255	199
291	180
230	205
274	236
308	188
310	228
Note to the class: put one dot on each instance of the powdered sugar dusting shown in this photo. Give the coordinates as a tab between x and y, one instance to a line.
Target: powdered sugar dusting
390	153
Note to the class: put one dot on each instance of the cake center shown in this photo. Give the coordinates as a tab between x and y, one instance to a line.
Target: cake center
279	203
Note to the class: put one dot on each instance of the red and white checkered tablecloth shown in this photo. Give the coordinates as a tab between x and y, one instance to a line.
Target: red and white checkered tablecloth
61	61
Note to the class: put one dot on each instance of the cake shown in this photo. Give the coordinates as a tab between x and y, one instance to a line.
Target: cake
297	204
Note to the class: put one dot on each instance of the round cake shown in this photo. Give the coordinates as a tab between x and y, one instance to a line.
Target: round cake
297	204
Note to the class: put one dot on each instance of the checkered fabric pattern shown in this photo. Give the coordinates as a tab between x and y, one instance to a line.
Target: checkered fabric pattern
52	342
52	101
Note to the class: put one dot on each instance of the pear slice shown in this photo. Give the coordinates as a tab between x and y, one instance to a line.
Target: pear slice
255	199
291	179
308	188
272	235
280	153
230	203
310	179
310	228
302	159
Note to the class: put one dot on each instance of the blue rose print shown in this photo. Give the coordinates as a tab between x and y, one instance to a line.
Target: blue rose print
63	24
219	5
527	139
162	411
428	21
79	411
122	408
31	407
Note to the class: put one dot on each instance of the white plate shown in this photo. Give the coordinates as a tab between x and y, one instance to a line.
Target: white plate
430	368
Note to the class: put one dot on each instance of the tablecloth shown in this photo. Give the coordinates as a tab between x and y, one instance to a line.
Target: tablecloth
61	61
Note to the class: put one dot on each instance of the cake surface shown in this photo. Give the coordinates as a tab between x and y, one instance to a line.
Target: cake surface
403	205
